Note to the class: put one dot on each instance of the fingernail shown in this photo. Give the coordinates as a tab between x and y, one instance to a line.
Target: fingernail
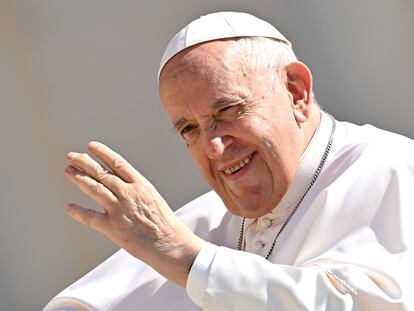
68	206
92	144
70	155
70	170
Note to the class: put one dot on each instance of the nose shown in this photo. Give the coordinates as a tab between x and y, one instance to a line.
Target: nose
215	146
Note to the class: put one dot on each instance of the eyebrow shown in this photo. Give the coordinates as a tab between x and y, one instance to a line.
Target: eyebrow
221	102
226	100
179	122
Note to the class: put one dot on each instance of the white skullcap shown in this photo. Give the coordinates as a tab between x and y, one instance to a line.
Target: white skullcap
216	26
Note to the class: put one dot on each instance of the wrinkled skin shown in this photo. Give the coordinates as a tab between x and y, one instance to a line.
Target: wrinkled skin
228	112
135	215
224	116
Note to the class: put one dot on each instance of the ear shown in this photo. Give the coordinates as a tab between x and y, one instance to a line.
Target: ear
299	85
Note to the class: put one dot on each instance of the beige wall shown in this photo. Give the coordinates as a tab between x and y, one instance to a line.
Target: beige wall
72	71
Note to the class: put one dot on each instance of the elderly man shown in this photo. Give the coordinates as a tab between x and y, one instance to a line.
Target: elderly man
307	213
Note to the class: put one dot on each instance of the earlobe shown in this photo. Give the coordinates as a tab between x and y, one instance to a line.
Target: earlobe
301	115
299	85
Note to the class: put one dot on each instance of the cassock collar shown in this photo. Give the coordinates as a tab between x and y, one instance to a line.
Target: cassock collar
307	166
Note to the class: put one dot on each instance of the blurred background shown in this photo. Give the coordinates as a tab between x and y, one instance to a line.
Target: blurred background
75	71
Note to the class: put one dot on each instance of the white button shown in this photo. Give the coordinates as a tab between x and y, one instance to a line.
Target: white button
258	245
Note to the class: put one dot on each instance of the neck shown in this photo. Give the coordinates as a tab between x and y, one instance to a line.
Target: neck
311	125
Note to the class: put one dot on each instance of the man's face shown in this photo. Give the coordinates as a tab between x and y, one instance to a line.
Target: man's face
238	125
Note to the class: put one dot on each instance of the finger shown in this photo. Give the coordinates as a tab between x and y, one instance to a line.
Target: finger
95	170
97	191
91	218
114	162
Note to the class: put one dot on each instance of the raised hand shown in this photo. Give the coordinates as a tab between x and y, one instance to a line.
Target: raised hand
135	215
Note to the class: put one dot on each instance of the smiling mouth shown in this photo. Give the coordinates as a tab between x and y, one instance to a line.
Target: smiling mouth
238	166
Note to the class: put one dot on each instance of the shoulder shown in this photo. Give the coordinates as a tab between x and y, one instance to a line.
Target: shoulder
365	158
374	146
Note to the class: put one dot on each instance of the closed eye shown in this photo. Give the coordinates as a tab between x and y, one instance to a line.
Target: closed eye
223	109
230	111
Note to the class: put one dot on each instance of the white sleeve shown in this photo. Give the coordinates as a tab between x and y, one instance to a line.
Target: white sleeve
227	279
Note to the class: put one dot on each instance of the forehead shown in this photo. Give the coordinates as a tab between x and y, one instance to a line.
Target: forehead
204	63
203	73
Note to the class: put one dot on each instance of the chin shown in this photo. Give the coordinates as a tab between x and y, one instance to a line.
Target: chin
244	210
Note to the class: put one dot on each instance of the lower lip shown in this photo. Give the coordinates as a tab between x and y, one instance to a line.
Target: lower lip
243	171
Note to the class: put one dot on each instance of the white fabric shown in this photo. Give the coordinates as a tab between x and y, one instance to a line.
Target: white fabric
216	26
124	283
199	273
346	248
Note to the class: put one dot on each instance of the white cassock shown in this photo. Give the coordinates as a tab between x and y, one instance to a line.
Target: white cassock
348	246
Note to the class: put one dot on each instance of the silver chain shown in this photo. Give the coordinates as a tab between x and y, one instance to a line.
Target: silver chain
314	178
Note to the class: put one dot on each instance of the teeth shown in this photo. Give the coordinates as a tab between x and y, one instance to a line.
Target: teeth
238	166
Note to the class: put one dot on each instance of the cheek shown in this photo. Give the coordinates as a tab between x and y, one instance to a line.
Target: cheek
259	131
